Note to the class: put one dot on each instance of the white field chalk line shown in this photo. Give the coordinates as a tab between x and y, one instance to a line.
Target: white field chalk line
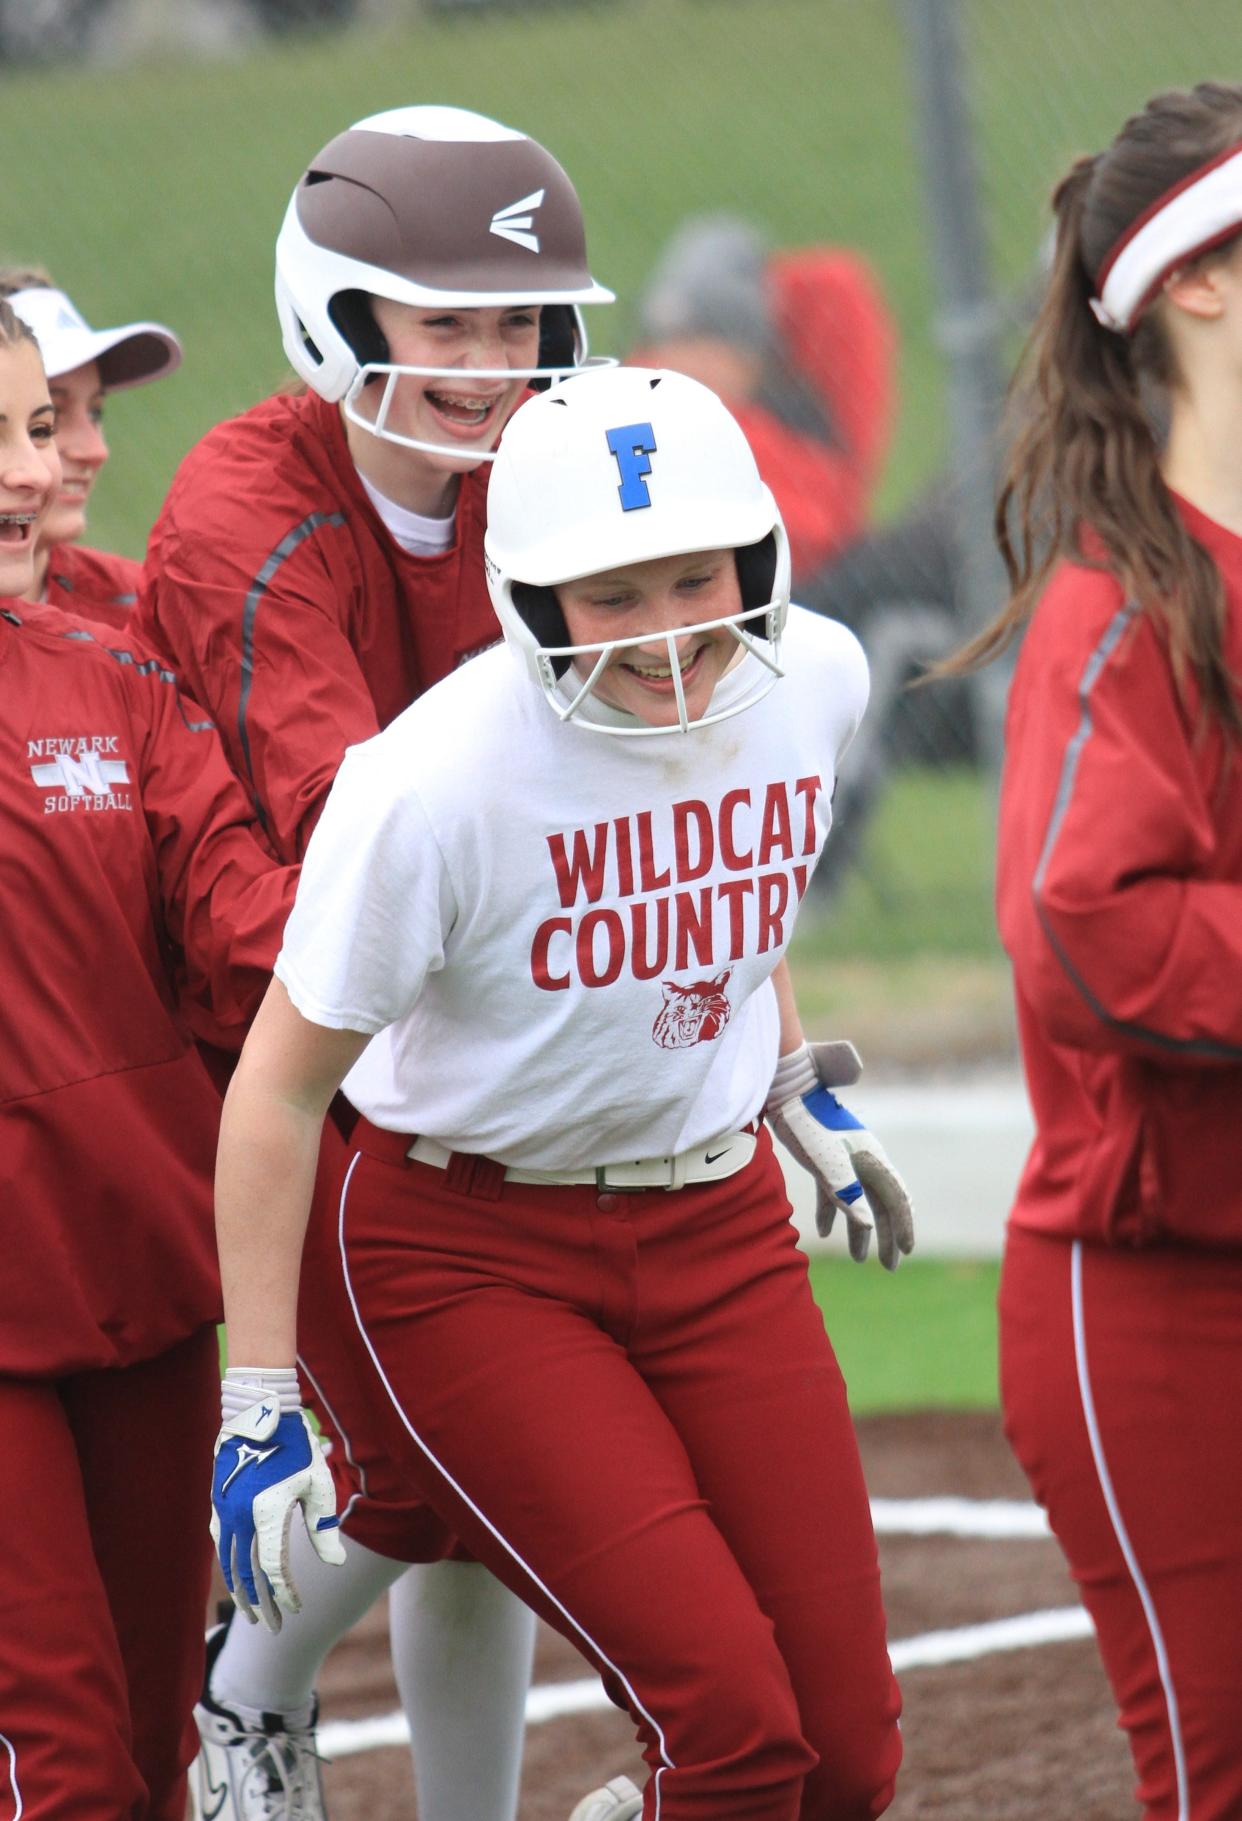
554	1700
1001	1518
1007	1518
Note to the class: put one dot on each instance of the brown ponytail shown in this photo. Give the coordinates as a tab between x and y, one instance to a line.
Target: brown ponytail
1083	459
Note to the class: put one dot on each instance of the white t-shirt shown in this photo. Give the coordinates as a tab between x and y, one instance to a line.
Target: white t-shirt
562	939
417	534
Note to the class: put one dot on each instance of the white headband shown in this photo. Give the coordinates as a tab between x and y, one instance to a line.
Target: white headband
1190	219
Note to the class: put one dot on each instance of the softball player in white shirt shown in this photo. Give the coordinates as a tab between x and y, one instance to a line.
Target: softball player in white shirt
539	938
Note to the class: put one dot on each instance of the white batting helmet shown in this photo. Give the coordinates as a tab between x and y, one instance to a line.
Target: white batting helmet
619	466
427	206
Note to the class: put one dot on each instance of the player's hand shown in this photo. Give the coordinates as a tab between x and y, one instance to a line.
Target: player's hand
847	1161
267	1465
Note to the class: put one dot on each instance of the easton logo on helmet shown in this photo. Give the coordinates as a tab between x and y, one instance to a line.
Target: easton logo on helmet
631	444
511	223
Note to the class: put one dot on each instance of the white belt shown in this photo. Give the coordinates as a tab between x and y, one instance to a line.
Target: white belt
710	1162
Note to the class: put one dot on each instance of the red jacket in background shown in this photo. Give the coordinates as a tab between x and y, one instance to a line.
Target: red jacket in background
128	853
1120	904
91	585
274	590
95	583
838	336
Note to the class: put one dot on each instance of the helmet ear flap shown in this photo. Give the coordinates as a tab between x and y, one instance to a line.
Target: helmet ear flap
542	612
352	313
756	571
558	340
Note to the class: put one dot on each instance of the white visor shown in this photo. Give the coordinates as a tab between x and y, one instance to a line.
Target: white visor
127	356
1188	220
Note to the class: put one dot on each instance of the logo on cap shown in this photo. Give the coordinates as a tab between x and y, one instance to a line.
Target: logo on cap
512	223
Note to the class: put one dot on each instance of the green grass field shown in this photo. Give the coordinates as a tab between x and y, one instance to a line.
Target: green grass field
919	1338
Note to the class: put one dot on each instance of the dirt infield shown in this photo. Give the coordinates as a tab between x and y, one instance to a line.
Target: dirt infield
1022	1735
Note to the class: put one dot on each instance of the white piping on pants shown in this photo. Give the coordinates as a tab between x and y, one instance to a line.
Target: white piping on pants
1122	1535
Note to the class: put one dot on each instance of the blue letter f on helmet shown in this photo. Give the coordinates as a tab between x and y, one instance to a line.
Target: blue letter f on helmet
631	444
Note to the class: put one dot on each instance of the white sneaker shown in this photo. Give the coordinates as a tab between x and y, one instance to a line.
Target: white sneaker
619	1800
243	1772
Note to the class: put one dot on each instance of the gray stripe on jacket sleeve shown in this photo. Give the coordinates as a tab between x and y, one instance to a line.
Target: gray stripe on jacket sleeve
258	588
1183	1046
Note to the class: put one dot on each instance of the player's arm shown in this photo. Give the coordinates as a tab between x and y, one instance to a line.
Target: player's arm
1120	935
224	899
372	909
268	1461
265	1171
847	1161
272	664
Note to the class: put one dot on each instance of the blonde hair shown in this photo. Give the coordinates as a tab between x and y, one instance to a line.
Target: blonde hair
25	278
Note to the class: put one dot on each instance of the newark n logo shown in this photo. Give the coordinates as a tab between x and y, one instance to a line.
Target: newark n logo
81	771
516	220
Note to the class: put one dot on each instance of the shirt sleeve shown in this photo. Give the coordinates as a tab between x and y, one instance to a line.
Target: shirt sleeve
255	622
375	905
1124	929
223	897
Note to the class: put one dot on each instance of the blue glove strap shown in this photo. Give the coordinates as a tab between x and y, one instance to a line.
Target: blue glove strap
823	1103
824	1106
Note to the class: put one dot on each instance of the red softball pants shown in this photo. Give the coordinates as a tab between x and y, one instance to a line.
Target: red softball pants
626	1406
1121	1379
106	1566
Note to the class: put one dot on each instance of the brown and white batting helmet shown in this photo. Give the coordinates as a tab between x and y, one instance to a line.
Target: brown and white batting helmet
427	206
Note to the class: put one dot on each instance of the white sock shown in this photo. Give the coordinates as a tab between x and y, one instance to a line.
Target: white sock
275	1672
462	1646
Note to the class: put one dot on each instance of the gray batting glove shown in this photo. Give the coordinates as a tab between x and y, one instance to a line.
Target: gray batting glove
847	1161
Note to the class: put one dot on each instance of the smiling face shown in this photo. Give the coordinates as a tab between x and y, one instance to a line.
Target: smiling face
78	398
29	465
459	415
647	602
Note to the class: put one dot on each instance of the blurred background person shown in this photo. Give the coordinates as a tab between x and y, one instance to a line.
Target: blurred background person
801	346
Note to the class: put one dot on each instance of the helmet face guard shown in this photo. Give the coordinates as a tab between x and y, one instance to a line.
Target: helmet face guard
757	630
615	468
437	208
536	378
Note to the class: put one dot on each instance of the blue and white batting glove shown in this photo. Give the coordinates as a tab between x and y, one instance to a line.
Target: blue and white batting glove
845	1159
268	1462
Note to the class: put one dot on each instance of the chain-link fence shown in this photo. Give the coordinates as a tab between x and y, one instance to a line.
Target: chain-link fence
152	144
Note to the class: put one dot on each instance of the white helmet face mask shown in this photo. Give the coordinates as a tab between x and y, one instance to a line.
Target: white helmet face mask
440	209
619	467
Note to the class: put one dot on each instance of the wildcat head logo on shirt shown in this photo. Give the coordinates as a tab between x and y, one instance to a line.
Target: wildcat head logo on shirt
692	1014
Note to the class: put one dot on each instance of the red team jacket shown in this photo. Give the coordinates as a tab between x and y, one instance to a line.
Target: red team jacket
1120	904
90	585
95	583
127	845
273	589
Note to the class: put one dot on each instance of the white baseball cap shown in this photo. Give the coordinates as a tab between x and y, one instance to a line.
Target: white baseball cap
128	356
